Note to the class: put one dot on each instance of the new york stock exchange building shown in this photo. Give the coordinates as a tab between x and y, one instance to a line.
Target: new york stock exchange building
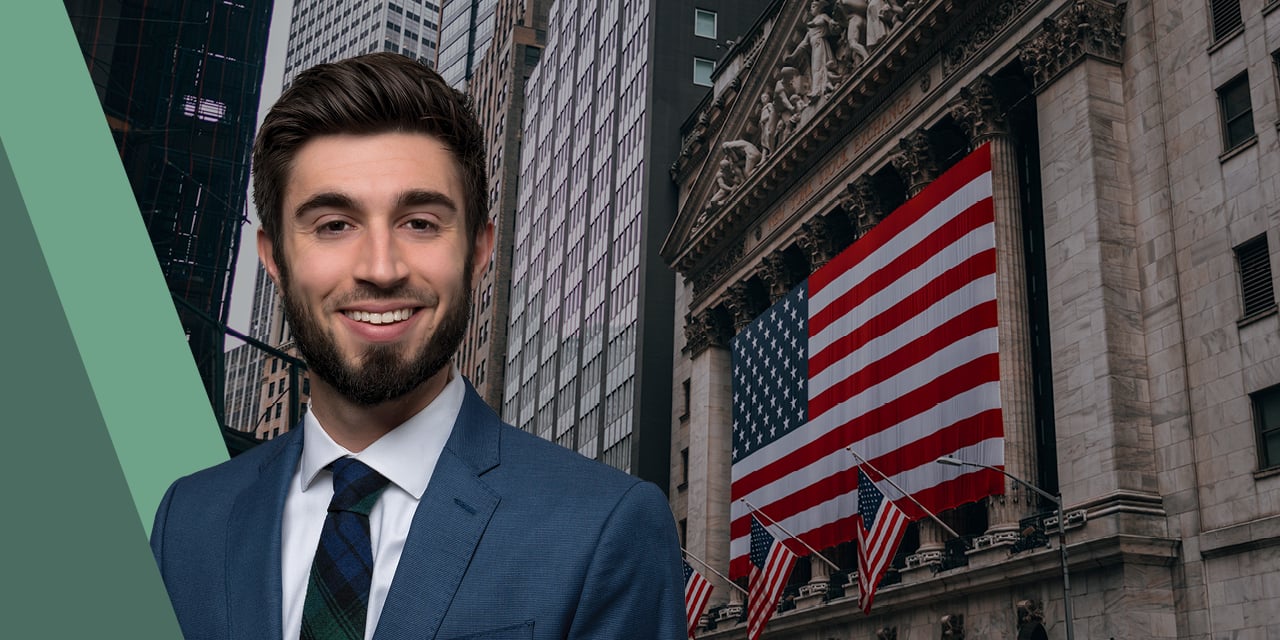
1027	234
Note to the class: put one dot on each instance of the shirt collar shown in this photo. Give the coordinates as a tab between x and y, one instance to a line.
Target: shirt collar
406	455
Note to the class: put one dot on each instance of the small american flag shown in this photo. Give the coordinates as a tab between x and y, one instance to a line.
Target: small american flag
771	563
880	530
889	349
696	593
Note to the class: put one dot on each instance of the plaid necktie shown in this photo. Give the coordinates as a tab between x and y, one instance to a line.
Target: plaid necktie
338	590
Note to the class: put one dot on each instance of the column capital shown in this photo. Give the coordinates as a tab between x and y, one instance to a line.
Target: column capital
979	112
861	203
742	306
705	329
777	275
915	161
1086	28
815	240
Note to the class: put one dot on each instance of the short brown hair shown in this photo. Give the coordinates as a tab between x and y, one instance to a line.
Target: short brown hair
368	94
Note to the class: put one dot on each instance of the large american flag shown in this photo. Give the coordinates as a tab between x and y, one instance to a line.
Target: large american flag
771	563
890	349
696	593
880	530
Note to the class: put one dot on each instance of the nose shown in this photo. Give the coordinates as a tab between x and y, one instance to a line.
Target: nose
381	261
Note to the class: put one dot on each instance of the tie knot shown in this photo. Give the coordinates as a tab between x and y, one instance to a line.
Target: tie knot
356	487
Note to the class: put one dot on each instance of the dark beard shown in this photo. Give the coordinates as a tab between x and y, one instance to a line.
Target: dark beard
384	375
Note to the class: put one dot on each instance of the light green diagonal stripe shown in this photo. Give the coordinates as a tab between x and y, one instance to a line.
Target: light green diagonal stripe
100	258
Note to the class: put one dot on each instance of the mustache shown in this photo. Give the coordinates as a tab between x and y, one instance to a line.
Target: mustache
370	293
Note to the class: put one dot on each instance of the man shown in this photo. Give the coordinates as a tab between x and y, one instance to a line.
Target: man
402	507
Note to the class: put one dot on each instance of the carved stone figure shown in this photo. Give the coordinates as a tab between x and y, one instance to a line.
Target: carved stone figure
743	154
855	34
788	101
882	17
821	61
953	626
768	122
887	633
727	179
1031	620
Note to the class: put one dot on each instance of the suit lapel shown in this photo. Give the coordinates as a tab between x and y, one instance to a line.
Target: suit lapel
253	546
450	520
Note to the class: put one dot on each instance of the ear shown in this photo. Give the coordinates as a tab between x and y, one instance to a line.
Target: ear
483	252
267	255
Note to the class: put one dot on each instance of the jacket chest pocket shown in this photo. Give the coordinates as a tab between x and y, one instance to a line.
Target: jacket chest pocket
522	631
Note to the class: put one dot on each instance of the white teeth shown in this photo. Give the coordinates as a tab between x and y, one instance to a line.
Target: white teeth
387	317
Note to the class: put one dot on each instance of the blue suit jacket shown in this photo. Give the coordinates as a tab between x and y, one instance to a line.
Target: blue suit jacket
515	537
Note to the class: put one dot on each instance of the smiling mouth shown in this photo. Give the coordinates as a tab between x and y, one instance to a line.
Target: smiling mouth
386	317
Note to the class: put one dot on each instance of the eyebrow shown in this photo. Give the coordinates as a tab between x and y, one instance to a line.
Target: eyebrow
421	197
410	198
326	200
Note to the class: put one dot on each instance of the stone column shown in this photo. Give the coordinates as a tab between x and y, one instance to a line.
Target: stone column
915	162
1106	450
982	116
710	441
916	165
1104	432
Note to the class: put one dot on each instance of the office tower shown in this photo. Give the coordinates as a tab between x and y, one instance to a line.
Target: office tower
497	90
1131	229
328	30
466	28
179	85
588	350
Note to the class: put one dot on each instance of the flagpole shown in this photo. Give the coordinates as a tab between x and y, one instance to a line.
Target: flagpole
712	570
791	535
904	493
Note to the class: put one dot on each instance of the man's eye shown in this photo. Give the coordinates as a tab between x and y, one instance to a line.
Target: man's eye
419	224
333	226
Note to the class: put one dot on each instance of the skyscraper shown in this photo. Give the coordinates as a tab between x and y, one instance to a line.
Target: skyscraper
327	30
591	304
467	27
497	89
179	85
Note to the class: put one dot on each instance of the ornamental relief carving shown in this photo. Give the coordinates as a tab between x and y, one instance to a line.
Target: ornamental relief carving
1086	28
704	329
832	42
986	30
706	278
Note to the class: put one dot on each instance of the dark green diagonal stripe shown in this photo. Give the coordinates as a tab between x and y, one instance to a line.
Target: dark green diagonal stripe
76	560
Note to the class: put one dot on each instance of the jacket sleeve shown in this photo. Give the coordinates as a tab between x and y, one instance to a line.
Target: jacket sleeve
635	583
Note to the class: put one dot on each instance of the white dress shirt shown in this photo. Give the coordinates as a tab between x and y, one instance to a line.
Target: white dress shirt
406	456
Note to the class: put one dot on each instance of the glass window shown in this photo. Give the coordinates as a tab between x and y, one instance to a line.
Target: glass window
702	69
1266	420
704	23
1237	112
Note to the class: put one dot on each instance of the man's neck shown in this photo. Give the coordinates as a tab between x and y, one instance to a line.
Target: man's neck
356	426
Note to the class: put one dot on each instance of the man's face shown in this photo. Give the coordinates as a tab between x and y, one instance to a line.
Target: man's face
377	280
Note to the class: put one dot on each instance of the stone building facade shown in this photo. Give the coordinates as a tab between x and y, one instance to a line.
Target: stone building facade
1135	187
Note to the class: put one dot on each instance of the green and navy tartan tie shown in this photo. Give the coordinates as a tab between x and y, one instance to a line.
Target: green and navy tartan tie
338	591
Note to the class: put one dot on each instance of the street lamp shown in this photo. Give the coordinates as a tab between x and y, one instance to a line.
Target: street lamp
1062	531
